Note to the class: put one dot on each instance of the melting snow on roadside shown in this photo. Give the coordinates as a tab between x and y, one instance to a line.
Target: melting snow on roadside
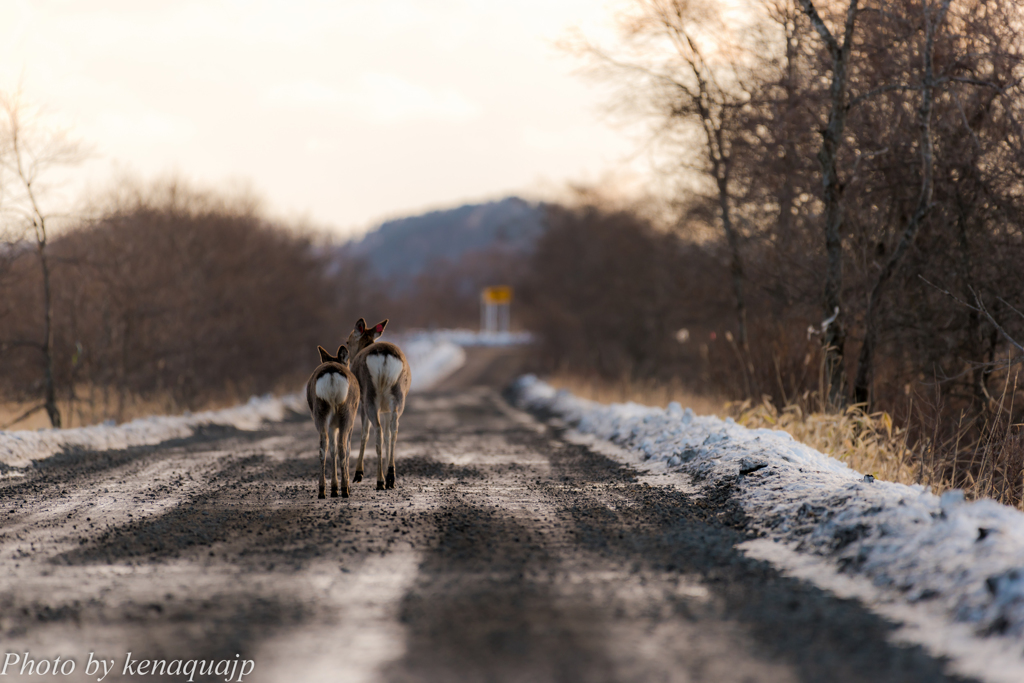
20	448
471	337
966	558
435	354
430	360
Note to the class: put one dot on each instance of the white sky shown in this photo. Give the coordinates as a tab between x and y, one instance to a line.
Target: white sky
343	112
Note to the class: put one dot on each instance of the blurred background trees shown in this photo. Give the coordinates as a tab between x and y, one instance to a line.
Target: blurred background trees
166	297
170	295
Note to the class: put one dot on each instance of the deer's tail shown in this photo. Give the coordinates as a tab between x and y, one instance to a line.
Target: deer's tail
385	371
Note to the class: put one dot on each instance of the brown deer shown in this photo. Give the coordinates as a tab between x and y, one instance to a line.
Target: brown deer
332	393
384	377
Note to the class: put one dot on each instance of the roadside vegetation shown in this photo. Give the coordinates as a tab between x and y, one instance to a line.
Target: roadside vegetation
170	299
843	259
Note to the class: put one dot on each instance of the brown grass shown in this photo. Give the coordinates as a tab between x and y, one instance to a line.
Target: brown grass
867	442
83	413
989	466
985	464
645	392
93	407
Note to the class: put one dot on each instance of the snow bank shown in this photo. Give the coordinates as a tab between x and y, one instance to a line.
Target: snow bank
430	358
967	558
20	448
435	354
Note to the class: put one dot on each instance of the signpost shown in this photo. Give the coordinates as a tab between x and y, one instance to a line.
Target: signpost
495	308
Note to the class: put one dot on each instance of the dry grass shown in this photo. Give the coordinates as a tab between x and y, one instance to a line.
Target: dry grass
82	413
867	442
94	406
990	466
648	393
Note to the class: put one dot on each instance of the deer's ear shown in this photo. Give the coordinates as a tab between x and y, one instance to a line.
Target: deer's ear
342	354
379	327
324	356
360	326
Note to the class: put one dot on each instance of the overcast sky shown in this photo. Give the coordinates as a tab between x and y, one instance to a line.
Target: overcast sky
342	112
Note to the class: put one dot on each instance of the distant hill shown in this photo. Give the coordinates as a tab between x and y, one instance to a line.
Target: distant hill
401	249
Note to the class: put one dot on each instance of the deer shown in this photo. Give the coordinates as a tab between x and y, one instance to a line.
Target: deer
384	378
332	393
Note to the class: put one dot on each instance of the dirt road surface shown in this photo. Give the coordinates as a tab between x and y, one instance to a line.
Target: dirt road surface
506	553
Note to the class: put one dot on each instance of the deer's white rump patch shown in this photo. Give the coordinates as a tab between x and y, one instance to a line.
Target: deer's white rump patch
384	370
332	387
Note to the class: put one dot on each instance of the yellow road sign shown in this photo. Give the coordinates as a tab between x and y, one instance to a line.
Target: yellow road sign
497	295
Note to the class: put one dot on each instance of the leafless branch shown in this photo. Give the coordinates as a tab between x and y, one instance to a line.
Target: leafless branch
978	307
28	413
878	91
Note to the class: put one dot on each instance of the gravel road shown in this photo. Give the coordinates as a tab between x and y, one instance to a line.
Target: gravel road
506	553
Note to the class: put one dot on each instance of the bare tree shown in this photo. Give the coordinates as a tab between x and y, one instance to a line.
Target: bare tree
712	96
834	337
693	86
27	152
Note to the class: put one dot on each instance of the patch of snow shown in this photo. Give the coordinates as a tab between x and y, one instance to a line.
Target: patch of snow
20	448
995	660
471	337
964	559
435	354
431	360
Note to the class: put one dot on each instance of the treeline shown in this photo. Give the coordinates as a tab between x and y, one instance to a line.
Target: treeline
172	296
860	158
610	293
861	164
607	293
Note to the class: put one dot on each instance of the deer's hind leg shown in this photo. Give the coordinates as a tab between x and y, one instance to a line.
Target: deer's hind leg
362	445
379	426
344	439
397	408
323	461
332	446
392	440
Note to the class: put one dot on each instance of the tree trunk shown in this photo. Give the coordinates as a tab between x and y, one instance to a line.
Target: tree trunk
865	360
735	262
979	375
48	382
834	338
